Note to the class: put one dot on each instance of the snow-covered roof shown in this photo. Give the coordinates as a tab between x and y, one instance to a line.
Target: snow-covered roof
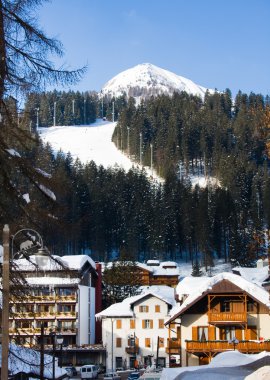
153	262
123	309
168	264
256	275
27	360
188	284
75	262
52	281
204	285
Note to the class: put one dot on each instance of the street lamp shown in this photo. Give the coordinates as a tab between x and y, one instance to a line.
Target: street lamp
33	246
56	339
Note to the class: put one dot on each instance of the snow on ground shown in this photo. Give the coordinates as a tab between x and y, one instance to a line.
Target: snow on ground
230	365
90	142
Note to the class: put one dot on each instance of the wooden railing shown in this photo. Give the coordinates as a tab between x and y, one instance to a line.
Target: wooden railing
132	350
214	317
173	343
222	345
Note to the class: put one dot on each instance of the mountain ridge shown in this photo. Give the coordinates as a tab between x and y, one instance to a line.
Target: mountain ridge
146	80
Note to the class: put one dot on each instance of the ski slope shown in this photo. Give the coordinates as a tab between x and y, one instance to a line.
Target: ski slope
89	142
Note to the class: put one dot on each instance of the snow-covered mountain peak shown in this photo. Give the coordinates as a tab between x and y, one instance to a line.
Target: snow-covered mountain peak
146	79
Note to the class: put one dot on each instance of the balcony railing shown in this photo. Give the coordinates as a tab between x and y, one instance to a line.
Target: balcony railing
221	317
223	345
132	350
173	346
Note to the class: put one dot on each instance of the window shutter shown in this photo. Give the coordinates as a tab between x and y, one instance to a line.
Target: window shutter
194	333
132	324
137	342
129	343
140	309
143	324
147	309
157	308
211	333
118	324
151	323
238	333
118	342
161	323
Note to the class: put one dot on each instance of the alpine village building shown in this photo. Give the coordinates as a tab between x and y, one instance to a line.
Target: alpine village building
61	299
134	330
217	314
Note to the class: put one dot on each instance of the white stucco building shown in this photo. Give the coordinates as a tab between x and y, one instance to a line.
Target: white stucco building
133	331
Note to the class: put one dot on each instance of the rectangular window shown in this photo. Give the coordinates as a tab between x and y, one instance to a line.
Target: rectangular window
144	309
147	342
161	342
118	323
118	342
132	324
157	308
161	323
203	333
147	323
225	307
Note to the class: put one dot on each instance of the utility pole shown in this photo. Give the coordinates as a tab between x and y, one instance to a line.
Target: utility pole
5	304
157	352
54	114
128	142
37	124
42	351
84	111
151	155
140	148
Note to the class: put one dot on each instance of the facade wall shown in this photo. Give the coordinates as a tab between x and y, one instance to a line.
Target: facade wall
187	321
146	334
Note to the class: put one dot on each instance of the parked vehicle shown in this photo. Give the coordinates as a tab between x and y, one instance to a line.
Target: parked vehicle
112	376
89	371
71	371
133	376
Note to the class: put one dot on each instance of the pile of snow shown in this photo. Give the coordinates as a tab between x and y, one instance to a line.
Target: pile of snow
230	365
27	360
145	80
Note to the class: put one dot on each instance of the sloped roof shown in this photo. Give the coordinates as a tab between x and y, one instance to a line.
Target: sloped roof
123	309
75	262
205	285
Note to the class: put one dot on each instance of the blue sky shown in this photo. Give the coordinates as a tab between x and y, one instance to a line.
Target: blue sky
215	43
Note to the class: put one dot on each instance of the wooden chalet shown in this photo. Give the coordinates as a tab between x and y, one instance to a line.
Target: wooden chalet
221	313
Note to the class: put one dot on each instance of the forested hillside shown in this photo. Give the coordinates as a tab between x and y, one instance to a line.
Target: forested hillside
102	211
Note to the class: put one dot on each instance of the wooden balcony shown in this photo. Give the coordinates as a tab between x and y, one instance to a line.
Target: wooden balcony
245	346
173	346
69	299
227	317
132	350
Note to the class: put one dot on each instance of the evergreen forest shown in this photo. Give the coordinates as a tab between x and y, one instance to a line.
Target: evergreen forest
105	211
